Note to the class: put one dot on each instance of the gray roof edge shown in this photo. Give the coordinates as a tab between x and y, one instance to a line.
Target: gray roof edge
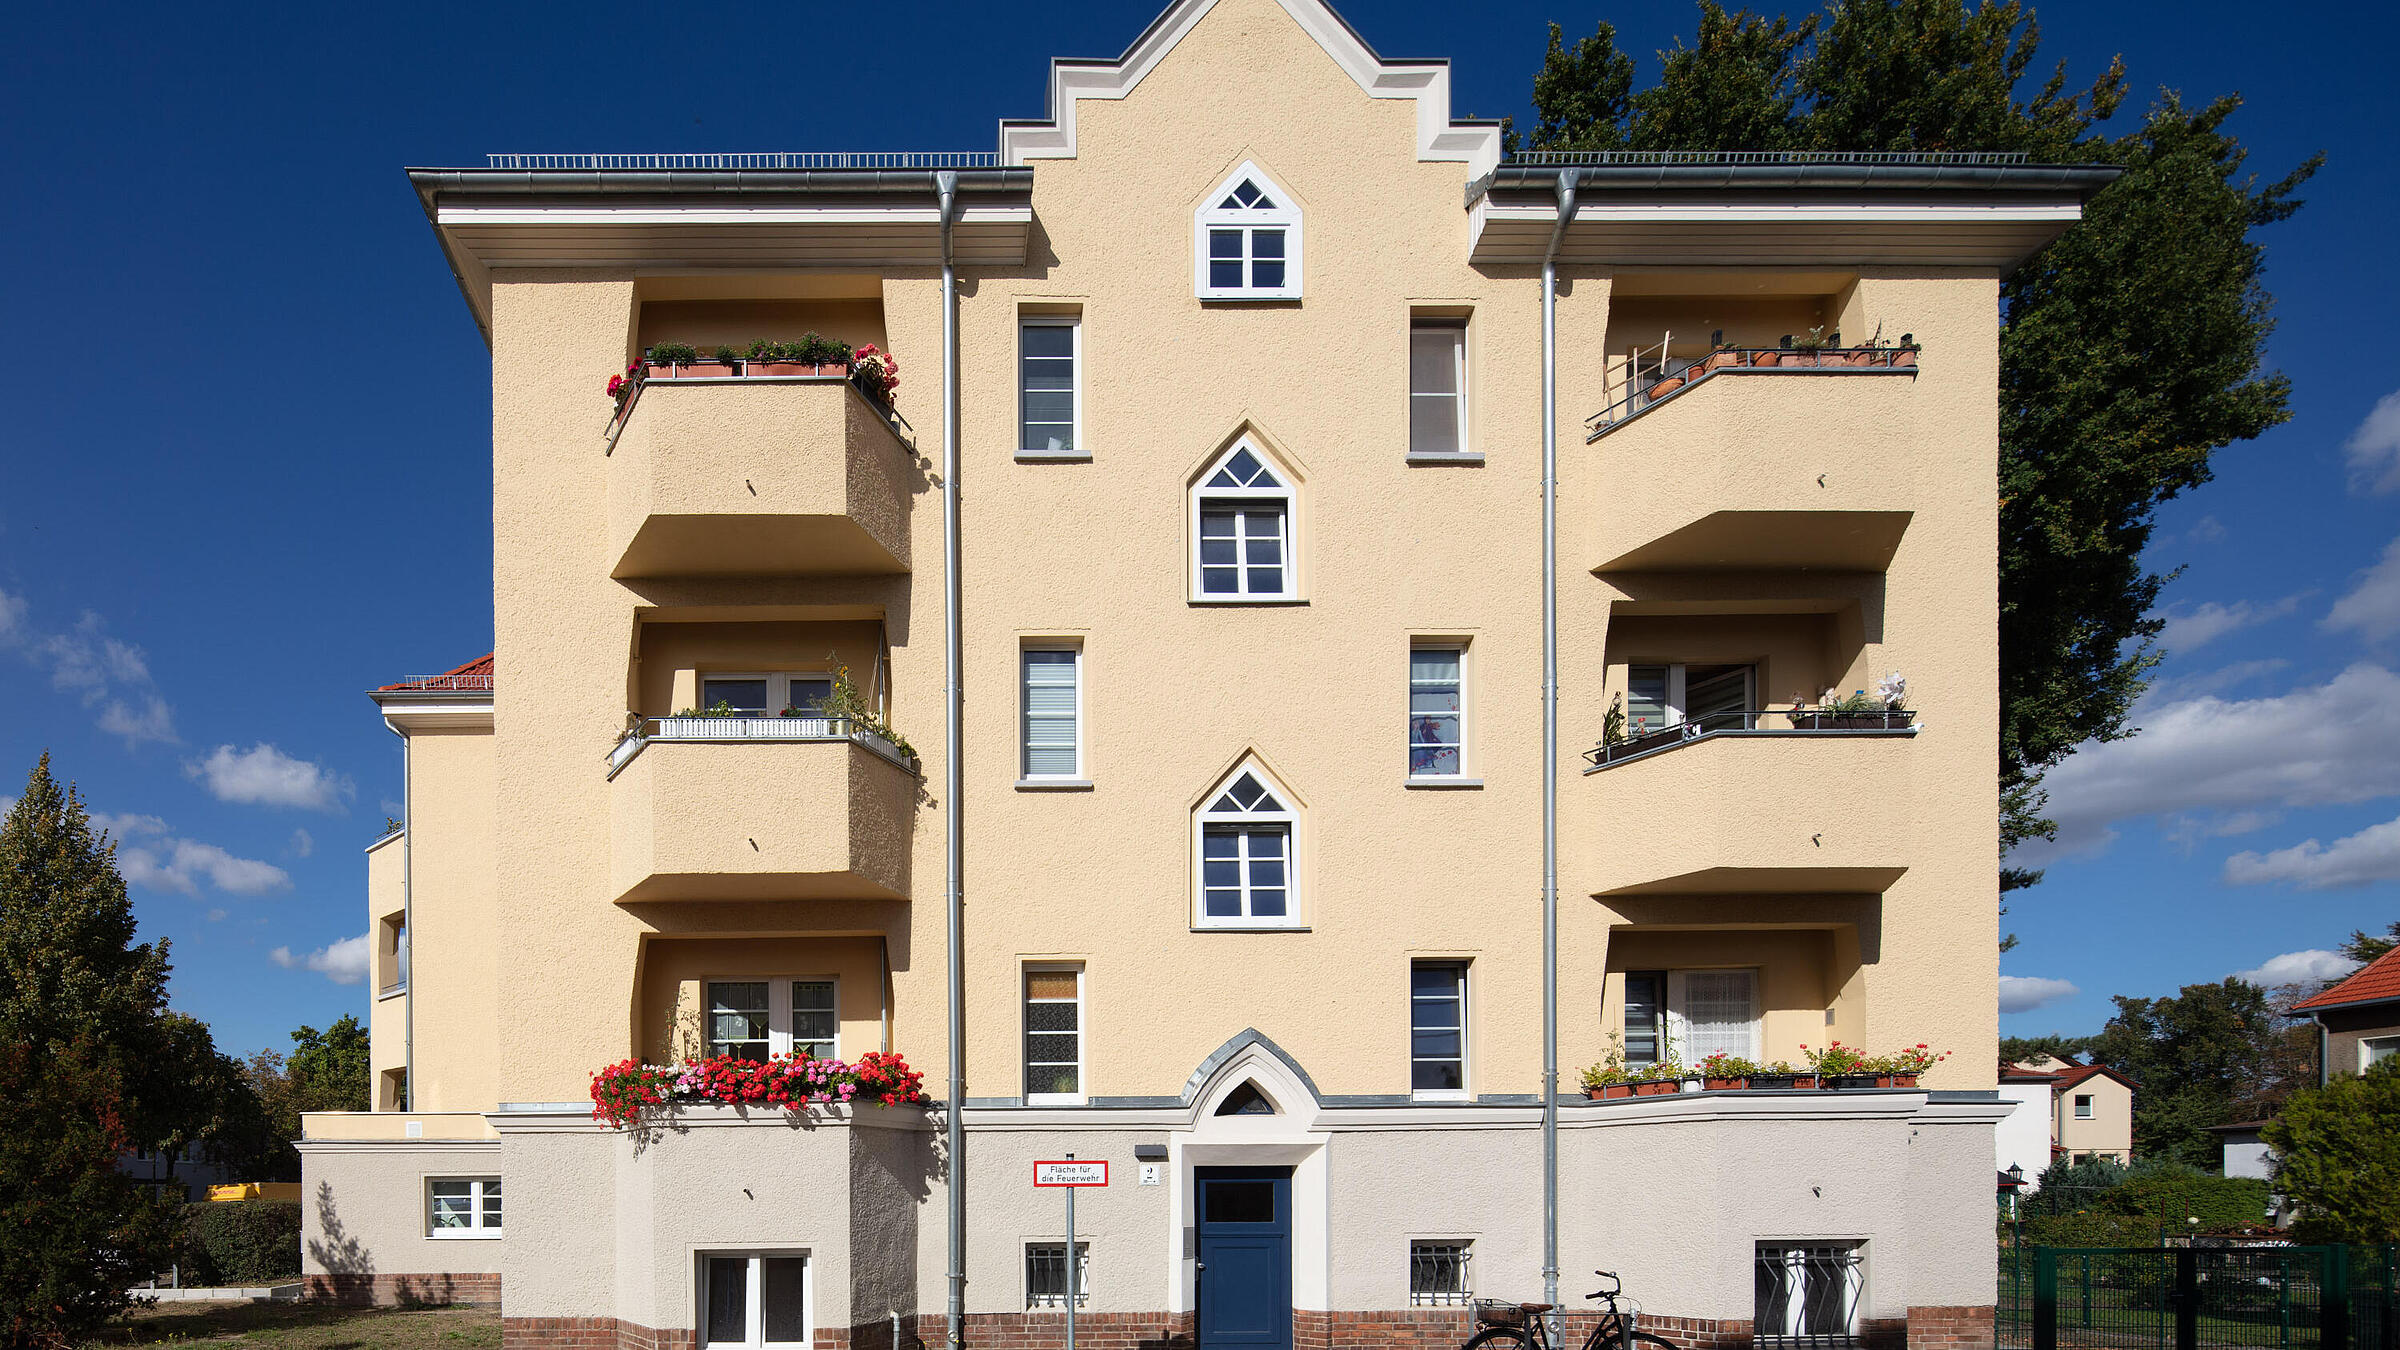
2080	180
708	182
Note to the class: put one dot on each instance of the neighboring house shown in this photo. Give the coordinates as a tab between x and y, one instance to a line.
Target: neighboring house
2090	1106
188	1172
1250	369
2245	1150
2358	1020
2022	1140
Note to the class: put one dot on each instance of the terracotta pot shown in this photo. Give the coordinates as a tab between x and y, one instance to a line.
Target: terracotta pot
1657	1087
1660	388
660	370
841	368
1896	1080
1727	1084
1720	361
1906	356
1765	359
781	368
1608	1092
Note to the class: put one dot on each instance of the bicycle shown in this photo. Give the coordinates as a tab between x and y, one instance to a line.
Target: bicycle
1520	1326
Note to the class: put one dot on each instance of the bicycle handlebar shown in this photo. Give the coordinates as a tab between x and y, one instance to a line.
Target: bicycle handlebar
1616	1285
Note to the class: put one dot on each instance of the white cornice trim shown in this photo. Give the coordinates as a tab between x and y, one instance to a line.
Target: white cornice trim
1787	213
317	1146
725	215
1428	82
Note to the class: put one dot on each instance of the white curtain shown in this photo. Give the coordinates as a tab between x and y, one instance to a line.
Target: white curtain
1712	1012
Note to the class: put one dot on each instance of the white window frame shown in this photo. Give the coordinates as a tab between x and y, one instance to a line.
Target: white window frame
2373	1050
1203	496
1463	968
1288	817
1456	325
1080	1279
1285	215
2084	1107
1457	647
1679	1018
779	1009
1077	774
477	1229
1073	323
754	1289
779	685
1083	1033
1677	702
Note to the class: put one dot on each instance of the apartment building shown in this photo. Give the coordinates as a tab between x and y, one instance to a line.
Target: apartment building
1242	363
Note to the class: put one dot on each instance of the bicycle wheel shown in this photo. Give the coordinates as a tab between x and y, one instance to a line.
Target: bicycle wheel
1501	1338
1643	1340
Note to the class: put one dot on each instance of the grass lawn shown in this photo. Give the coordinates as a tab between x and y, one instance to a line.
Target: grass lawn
306	1326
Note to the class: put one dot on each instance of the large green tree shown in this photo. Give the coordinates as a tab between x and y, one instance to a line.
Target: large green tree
2208	1055
2337	1152
2131	348
87	1072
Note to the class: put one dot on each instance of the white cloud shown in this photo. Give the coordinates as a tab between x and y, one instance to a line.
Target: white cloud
2208	622
265	776
2207	530
2168	689
2315	746
182	864
105	673
2361	859
2024	993
2314	966
2373	606
303	843
128	825
216	916
2374	448
343	962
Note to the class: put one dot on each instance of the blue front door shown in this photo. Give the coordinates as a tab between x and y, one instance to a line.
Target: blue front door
1245	1258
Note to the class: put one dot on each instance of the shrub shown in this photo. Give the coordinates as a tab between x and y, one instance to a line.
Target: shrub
678	353
2174	1192
2337	1154
241	1241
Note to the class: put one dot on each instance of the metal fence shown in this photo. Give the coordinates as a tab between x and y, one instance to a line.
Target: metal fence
768	159
2198	1296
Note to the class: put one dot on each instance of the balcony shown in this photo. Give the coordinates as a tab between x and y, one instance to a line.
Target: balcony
766	808
1760	459
1734	805
758	476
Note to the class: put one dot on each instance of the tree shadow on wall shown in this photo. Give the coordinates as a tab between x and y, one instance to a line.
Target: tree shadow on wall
336	1250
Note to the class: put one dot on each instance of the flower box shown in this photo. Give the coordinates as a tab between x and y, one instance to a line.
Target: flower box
1608	1092
1895	719
1896	1080
1657	1087
790	368
1724	1084
1782	1082
1849	1081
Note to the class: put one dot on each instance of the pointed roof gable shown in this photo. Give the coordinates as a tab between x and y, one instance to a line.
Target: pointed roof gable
1473	143
2378	981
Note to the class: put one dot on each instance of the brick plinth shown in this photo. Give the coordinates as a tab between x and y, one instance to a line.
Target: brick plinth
1967	1328
401	1291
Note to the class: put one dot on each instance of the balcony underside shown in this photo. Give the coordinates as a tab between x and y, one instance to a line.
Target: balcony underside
753	545
1769	881
1847	541
761	820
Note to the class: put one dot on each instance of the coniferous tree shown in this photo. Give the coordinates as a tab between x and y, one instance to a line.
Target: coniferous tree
84	1074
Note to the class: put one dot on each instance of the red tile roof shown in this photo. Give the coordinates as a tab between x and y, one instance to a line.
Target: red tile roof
2373	982
473	677
2065	1079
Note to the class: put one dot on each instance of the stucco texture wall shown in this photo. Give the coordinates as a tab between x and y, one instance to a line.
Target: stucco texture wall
363	1209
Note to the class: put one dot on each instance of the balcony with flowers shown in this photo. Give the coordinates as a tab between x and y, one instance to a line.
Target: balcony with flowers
777	458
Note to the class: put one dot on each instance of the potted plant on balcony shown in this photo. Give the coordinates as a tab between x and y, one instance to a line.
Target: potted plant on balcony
1901	1068
1839	1066
1721	354
1859	710
1906	354
670	360
1808	350
876	373
1608	1078
1660	1079
1722	1072
1780	1075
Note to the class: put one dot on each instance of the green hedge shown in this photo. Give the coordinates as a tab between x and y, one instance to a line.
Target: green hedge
241	1242
2177	1193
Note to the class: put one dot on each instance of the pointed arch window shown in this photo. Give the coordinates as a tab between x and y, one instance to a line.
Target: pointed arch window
1242	530
1246	240
1246	854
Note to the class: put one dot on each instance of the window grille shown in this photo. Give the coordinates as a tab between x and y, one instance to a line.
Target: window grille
1807	1295
1438	1274
1046	1274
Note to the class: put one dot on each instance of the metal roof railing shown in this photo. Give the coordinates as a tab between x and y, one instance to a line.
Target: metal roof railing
1567	159
773	159
446	684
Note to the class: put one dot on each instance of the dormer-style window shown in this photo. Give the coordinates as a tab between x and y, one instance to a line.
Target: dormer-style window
1242	530
1247	854
1246	241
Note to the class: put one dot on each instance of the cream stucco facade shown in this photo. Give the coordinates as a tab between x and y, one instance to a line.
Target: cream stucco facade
581	866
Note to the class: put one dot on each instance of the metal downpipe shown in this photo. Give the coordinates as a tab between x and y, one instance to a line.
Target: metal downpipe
407	1097
1566	212
955	1138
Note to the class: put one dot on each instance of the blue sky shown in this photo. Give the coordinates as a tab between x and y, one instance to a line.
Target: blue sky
245	475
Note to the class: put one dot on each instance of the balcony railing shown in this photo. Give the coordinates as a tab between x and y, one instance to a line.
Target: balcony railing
645	730
480	683
1660	378
1752	722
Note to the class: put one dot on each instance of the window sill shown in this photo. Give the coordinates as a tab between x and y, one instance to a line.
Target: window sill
1055	1099
1443	1096
1466	457
1249	601
1054	456
391	991
1254	298
1439	782
1054	785
1249	928
467	1235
